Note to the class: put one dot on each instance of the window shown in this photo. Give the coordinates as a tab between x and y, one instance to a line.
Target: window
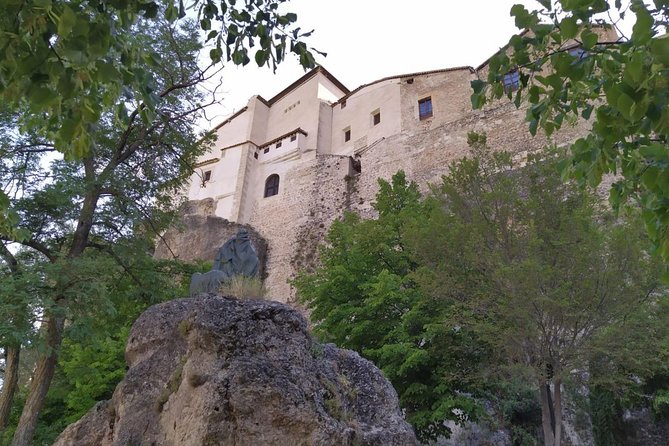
272	185
579	53
266	150
347	134
255	155
425	108
278	144
511	81
293	137
376	117
343	104
207	176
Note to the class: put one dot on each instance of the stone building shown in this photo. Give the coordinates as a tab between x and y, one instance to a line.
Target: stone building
290	165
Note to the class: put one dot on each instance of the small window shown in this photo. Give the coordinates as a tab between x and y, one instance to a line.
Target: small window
578	53
272	185
343	104
278	144
255	155
266	150
410	81
347	134
207	176
425	108
376	117
293	137
511	81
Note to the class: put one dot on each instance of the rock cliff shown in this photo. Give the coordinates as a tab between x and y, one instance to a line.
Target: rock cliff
199	234
220	371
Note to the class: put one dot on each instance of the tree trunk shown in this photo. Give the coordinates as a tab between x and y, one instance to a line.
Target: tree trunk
10	382
44	370
546	409
557	399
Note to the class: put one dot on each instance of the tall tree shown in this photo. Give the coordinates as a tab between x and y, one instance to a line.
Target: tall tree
128	139
563	281
567	73
364	297
503	274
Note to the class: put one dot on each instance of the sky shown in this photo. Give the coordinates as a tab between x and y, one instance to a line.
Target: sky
366	40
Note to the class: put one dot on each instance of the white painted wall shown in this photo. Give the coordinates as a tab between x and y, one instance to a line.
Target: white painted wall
357	114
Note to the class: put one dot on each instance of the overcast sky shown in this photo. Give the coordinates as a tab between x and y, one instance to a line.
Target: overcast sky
370	39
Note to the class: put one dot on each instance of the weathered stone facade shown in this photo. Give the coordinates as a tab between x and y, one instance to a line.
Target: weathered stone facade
328	146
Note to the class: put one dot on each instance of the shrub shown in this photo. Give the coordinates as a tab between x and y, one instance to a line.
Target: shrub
243	287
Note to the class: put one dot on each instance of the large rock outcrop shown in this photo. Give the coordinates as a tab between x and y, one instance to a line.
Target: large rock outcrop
221	371
199	233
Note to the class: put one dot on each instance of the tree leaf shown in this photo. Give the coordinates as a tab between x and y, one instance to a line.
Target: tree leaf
568	27
66	21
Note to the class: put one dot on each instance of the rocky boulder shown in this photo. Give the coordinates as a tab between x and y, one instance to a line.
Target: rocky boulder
198	234
221	371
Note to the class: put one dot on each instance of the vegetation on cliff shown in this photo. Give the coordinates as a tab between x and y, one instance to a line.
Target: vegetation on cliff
504	274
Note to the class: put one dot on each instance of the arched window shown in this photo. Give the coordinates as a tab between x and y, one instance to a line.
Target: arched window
272	185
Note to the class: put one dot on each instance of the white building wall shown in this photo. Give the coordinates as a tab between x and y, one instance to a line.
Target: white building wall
257	125
299	108
357	115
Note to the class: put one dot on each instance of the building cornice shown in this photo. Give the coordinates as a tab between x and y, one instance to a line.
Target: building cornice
268	143
402	76
286	135
206	162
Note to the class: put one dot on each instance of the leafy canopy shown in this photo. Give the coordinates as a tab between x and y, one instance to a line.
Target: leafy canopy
573	66
64	64
500	275
364	297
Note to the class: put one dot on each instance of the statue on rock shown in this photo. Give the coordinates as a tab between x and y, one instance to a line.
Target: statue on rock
237	257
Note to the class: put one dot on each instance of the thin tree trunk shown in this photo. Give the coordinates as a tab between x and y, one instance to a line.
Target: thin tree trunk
44	370
9	384
12	354
557	398
46	363
549	436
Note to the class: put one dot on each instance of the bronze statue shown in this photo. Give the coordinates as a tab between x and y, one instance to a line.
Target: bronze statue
236	257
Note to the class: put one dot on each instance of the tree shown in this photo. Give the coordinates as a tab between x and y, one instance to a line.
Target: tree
363	296
82	212
66	63
555	282
96	82
91	359
621	86
503	275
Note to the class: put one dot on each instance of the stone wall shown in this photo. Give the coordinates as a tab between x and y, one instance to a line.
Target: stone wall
278	219
316	189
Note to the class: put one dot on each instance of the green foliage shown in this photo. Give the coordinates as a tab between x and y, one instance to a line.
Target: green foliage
620	86
90	222
364	297
243	287
92	360
606	416
503	279
661	403
69	60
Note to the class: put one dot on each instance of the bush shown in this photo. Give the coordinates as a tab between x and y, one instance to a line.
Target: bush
243	287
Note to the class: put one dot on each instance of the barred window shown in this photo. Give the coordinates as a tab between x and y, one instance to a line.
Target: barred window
511	81
272	185
425	108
